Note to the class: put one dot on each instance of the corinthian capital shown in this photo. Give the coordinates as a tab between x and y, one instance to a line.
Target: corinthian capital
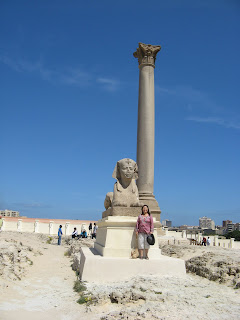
146	54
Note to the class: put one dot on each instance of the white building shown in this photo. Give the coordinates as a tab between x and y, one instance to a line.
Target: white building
167	223
206	223
9	213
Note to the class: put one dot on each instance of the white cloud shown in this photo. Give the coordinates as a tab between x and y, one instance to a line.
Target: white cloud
195	100
162	90
31	205
218	121
109	84
66	76
192	98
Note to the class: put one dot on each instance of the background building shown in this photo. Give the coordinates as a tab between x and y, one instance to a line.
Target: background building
230	227
225	223
206	223
9	213
167	223
237	226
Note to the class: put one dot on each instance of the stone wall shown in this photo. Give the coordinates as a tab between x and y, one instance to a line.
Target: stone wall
45	226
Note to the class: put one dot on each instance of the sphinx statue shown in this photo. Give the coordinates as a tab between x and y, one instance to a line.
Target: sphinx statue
125	193
108	200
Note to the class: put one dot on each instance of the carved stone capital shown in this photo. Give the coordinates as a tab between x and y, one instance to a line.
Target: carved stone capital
146	54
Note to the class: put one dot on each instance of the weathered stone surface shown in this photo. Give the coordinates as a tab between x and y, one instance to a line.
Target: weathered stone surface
214	263
146	55
122	211
108	200
14	259
125	193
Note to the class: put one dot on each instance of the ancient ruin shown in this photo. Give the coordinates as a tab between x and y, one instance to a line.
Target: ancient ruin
116	236
146	55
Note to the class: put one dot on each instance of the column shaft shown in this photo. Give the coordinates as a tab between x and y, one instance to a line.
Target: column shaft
146	130
146	54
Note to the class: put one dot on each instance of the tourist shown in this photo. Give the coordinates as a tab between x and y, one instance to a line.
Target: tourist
75	233
60	234
83	234
208	241
143	228
90	229
204	241
1	223
94	234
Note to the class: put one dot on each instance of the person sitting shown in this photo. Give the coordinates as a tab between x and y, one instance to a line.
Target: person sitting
83	234
75	233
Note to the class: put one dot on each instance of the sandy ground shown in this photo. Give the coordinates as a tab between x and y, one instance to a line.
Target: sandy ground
40	286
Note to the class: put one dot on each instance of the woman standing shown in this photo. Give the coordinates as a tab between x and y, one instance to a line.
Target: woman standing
143	228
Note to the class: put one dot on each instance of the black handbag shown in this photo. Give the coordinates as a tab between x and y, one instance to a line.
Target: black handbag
150	239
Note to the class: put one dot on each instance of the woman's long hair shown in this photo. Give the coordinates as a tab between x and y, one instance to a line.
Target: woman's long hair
145	205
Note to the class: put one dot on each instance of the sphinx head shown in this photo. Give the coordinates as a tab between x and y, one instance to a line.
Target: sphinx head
126	169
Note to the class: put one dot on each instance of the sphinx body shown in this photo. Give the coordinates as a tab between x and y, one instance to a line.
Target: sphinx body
108	200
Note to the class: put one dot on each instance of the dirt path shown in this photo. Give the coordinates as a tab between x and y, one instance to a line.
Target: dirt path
46	292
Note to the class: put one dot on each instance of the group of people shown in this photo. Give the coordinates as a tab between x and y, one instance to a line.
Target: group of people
206	241
83	234
92	230
75	234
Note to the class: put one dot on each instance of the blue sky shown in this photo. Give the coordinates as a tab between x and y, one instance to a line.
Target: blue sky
69	97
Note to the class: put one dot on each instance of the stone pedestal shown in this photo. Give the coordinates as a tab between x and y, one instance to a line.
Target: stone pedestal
19	225
36	226
215	241
67	231
199	237
116	237
231	245
110	259
98	269
51	227
184	234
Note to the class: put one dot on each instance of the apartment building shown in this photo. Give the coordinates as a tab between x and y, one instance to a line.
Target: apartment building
9	213
206	223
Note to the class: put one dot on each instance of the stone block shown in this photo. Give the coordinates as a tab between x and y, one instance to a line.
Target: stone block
99	269
116	237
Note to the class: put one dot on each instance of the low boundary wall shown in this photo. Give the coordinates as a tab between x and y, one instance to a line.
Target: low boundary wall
174	237
45	226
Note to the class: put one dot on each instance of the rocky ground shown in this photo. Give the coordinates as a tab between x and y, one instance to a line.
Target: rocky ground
214	263
36	282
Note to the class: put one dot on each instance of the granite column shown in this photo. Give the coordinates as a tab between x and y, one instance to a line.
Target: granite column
146	55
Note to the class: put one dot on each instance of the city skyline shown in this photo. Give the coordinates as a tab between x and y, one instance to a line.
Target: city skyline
69	104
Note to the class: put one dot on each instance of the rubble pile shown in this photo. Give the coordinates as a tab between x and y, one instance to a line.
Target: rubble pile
213	263
14	259
216	268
